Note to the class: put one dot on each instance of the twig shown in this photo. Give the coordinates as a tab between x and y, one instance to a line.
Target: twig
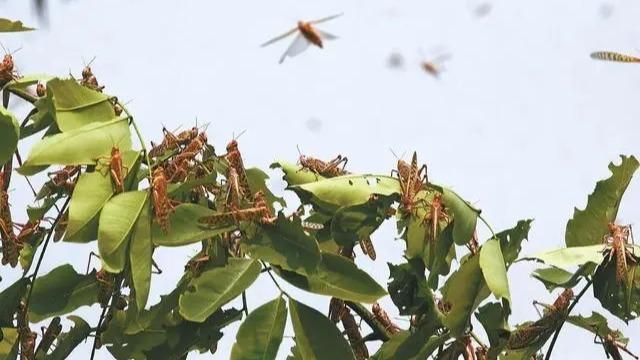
244	303
573	304
44	249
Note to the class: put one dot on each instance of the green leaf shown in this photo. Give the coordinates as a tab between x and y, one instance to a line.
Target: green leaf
464	216
68	341
10	299
140	256
75	105
596	324
117	219
511	240
622	300
284	244
184	227
407	345
81	146
566	258
295	174
42	118
9	135
91	193
460	291
338	277
316	336
331	194
352	223
493	318
60	292
260	335
589	226
553	277
408	288
7	25
9	343
258	182
216	287
188	336
494	269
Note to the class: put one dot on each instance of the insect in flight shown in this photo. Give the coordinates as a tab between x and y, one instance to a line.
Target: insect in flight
614	56
307	35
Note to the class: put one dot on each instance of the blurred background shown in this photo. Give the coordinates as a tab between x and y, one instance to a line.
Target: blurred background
521	121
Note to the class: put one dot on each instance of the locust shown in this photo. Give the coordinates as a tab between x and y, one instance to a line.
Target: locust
49	335
435	214
355	337
366	245
234	158
612	346
27	337
543	327
336	309
41	90
617	246
411	179
614	56
116	168
383	318
260	213
63	176
7	67
162	205
333	168
106	283
89	79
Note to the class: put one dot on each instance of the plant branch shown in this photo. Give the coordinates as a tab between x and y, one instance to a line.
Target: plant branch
378	329
140	138
573	304
44	249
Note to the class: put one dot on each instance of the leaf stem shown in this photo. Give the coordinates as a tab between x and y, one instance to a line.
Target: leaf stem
140	138
487	225
573	304
478	340
274	279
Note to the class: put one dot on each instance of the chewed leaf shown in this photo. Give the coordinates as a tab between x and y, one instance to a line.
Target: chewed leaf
7	25
588	226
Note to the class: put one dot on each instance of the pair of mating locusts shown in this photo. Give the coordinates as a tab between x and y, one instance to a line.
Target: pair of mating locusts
238	189
412	179
541	329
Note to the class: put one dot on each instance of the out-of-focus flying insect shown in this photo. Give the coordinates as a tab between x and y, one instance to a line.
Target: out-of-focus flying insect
307	35
614	56
435	66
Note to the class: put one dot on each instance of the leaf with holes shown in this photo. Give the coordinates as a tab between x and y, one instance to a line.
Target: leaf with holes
589	226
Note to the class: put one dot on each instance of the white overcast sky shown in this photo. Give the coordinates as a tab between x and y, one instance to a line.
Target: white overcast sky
522	123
